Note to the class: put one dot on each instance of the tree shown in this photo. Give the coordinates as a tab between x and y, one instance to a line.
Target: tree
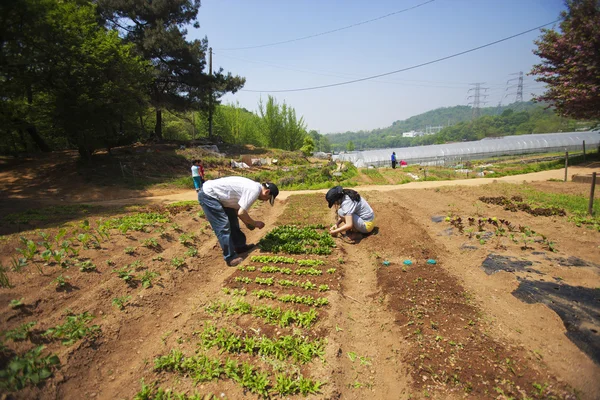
157	28
350	146
64	72
308	147
571	61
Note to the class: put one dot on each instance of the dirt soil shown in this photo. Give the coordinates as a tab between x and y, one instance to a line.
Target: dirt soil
422	308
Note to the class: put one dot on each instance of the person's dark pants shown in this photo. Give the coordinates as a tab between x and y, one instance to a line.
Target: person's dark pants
224	222
394	164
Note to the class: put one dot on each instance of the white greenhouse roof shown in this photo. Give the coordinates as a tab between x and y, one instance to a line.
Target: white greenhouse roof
519	144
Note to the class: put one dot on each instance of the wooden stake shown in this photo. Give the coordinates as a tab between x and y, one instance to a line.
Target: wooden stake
566	164
591	203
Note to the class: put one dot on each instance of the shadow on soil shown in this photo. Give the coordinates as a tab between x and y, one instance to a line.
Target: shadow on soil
578	307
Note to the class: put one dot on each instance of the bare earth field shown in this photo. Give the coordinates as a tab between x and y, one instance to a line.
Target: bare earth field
508	305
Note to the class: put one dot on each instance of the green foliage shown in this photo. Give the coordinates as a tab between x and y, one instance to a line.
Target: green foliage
125	274
570	61
74	329
21	332
271	315
121	302
61	281
298	348
16	303
177	262
150	243
87	266
282	129
272	259
147	278
29	369
517	118
293	239
4	281
136	222
202	368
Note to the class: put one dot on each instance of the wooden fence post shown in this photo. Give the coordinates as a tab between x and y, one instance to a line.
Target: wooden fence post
566	164
591	203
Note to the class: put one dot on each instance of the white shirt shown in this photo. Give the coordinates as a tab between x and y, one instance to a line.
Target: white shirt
195	170
360	208
233	191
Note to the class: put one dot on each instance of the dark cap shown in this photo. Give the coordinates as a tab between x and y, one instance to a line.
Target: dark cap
273	191
334	194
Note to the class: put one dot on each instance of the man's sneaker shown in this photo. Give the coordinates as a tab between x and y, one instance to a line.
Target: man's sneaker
245	248
235	262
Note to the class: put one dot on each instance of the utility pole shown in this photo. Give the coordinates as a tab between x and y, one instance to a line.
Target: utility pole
210	98
518	85
477	98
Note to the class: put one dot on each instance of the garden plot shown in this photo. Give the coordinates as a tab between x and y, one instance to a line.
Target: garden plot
355	323
68	287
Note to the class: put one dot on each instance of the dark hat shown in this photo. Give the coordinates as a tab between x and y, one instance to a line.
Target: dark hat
334	194
273	191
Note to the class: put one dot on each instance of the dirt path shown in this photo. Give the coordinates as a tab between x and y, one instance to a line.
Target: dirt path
533	177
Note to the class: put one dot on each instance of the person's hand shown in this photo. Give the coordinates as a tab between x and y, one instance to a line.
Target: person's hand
259	224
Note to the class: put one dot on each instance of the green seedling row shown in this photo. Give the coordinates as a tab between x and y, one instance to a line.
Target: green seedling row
297	348
202	368
271	315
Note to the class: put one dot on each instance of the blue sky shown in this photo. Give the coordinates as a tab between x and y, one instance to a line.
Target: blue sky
434	30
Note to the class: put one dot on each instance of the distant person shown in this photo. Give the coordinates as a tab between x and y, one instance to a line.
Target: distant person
224	200
403	163
197	174
394	160
355	215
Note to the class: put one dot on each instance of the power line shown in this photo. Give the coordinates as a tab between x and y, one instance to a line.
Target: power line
403	69
426	83
331	31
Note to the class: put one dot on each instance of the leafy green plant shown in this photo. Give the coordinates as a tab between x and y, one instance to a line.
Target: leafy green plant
271	269
310	263
130	250
191	252
177	262
74	329
17	264
264	281
150	243
16	303
61	282
121	302
331	271
30	368
4	281
264	294
293	239
185	239
272	259
125	274
147	278
87	266
29	250
21	332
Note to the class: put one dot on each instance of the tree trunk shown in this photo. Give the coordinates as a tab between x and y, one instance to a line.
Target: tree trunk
31	129
158	126
38	140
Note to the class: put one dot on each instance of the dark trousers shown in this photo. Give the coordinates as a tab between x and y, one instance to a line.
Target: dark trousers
224	222
394	164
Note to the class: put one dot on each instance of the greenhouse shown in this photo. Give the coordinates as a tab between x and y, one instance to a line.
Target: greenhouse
452	153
